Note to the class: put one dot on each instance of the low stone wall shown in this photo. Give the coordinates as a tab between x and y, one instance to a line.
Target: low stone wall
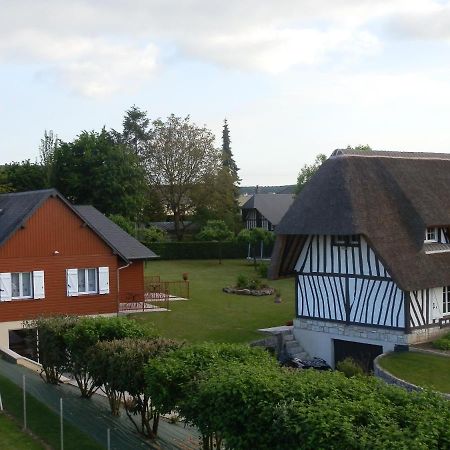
386	376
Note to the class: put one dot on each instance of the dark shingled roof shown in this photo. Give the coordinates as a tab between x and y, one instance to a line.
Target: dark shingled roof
271	206
112	234
16	208
389	197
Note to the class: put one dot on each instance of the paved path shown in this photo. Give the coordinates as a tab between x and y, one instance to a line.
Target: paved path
93	417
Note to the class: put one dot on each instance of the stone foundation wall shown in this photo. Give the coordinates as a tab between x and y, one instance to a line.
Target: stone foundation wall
427	334
353	331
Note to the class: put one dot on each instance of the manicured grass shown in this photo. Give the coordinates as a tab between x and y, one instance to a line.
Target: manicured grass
212	315
421	369
42	421
13	438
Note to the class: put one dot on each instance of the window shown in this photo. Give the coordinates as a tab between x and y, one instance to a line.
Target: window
21	285
446	300
87	281
346	241
93	280
431	234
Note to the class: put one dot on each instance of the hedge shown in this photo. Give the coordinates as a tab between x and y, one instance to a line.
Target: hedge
199	250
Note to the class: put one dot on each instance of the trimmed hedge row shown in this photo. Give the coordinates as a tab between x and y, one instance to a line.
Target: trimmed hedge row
199	250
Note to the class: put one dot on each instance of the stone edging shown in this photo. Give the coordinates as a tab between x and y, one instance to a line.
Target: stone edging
387	377
429	351
254	292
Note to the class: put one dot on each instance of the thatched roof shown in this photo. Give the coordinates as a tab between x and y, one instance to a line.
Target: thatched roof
388	197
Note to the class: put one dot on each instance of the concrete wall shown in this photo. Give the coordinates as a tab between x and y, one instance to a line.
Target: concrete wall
317	336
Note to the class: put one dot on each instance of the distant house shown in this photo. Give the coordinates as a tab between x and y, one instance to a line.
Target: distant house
265	210
367	240
57	258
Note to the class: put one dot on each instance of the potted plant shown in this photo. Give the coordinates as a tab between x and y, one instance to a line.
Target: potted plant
185	276
277	298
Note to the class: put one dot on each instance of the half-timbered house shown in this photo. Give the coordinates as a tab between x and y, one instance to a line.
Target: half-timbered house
368	243
57	258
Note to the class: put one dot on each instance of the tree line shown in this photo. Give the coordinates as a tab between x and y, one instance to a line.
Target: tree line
149	170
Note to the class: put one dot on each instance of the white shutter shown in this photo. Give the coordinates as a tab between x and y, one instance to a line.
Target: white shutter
5	287
72	282
437	300
38	284
103	280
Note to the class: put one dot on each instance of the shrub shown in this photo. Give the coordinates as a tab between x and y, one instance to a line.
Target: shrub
124	223
86	333
442	343
151	235
254	284
262	269
53	352
199	250
349	367
242	281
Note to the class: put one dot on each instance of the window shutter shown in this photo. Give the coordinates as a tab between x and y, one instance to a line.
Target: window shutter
72	282
436	295
38	284
103	280
5	287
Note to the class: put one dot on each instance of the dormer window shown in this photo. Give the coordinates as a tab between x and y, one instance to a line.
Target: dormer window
431	234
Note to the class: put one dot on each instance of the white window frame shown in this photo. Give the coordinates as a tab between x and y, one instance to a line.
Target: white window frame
86	281
446	300
431	234
21	296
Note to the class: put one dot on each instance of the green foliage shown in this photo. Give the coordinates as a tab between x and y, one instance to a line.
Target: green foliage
135	129
242	281
124	223
199	250
442	343
255	236
24	176
307	172
86	333
150	235
115	177
215	230
53	352
119	365
180	156
349	367
360	148
262	269
227	155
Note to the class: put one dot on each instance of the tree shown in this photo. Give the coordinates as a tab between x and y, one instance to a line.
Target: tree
124	223
216	230
307	172
360	148
25	176
227	154
95	170
180	155
152	234
135	134
255	237
47	148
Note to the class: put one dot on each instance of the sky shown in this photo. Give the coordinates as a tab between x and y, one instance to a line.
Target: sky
294	78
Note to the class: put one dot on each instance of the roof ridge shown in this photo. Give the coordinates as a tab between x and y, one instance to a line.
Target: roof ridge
339	153
37	191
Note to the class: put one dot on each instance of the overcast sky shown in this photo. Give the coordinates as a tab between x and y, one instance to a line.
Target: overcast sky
293	77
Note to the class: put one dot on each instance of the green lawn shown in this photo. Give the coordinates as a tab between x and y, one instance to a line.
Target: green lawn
42	421
421	369
212	315
13	438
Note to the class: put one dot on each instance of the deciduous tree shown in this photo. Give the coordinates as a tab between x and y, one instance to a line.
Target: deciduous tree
307	172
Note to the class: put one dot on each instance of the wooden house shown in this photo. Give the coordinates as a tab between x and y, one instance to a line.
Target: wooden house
367	241
57	258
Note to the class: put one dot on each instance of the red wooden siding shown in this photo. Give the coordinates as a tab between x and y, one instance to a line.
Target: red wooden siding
54	226
132	280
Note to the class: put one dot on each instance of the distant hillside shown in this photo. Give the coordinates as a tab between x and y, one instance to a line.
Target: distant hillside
250	190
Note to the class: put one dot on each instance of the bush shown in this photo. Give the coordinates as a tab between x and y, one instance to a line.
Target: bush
242	281
199	250
349	367
124	223
262	269
442	343
148	236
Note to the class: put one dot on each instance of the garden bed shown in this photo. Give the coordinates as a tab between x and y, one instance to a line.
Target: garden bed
254	292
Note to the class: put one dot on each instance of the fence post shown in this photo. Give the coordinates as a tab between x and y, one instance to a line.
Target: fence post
24	388
1	403
108	439
61	422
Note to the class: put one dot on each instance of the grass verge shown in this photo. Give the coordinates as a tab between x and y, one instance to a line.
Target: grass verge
13	438
212	315
42	421
421	369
